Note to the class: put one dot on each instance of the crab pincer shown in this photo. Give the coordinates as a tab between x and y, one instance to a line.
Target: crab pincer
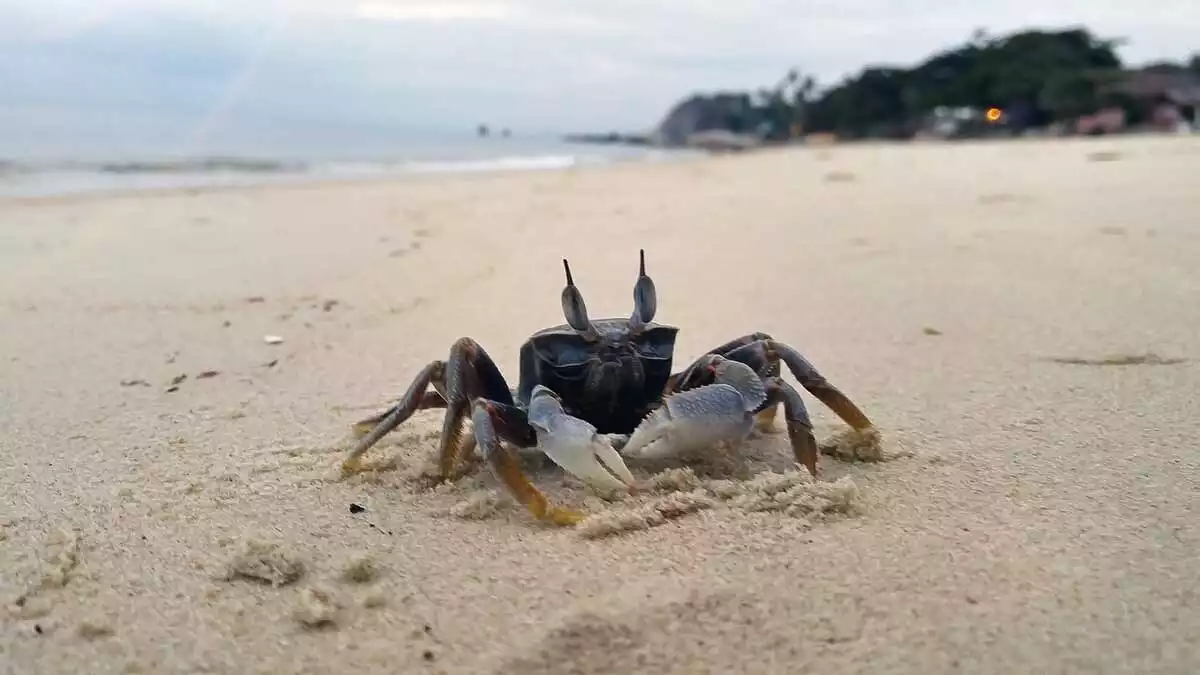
575	445
699	418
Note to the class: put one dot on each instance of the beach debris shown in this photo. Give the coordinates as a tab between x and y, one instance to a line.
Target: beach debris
204	375
625	363
272	339
373	526
95	629
175	382
357	508
1146	359
853	445
137	382
271	364
840	177
57	565
255	299
264	562
998	198
329	305
930	330
479	505
360	568
316	608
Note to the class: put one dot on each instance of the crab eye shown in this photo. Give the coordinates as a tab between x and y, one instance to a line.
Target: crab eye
645	300
574	309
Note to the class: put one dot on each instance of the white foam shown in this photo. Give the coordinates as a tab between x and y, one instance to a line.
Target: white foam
509	163
51	178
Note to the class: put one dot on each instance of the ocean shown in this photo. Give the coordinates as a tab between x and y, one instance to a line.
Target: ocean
118	169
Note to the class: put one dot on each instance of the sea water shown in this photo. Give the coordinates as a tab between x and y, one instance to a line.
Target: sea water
59	167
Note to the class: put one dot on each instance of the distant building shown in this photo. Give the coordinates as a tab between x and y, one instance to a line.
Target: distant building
1106	121
1168	96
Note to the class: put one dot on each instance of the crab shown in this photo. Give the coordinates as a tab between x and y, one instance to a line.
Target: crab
591	392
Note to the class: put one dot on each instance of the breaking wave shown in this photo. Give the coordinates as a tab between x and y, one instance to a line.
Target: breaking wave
33	178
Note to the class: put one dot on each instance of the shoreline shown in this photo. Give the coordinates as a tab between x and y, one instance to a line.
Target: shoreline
286	180
652	156
64	178
311	184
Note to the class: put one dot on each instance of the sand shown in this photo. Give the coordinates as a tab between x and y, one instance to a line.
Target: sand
1019	319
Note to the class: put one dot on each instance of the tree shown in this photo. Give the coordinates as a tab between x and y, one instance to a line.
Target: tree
1068	94
1035	76
1046	72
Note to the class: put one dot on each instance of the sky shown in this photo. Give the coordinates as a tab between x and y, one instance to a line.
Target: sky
185	71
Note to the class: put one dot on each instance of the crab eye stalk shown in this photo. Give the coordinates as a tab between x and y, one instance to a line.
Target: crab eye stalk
572	303
645	300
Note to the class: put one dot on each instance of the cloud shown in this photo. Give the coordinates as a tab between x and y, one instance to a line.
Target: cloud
226	67
430	11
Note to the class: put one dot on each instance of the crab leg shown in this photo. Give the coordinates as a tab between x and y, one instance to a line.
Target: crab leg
763	353
799	426
765	418
815	383
494	420
468	373
468	383
374	428
428	400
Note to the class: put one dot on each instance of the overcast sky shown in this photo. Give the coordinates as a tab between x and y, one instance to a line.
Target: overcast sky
534	65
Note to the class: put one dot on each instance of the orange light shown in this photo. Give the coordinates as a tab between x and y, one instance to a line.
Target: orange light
993	114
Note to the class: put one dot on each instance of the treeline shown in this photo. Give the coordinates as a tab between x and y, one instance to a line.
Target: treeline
1036	77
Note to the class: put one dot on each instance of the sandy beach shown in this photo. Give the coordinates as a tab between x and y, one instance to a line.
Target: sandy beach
1020	320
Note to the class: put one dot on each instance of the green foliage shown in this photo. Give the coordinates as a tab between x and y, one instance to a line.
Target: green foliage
1049	74
1067	94
1036	77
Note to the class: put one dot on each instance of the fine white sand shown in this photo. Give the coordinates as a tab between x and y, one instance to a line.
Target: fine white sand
1020	320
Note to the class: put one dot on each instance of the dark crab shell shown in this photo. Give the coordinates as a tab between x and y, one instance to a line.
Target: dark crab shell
610	377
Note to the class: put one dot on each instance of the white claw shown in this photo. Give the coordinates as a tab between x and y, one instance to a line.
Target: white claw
582	460
690	421
615	464
574	445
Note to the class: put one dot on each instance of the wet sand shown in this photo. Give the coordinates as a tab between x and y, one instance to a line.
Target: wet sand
1019	319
